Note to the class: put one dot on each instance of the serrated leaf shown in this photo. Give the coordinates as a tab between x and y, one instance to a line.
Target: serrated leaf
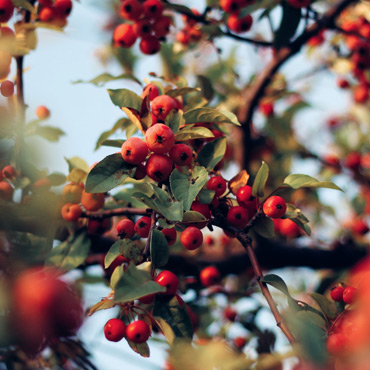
125	98
212	153
108	173
107	77
190	133
329	308
141	348
135	284
206	87
24	4
104	304
264	226
174	120
49	133
297	181
182	91
258	188
77	162
57	178
186	188
159	250
71	253
290	20
77	175
207	114
238	181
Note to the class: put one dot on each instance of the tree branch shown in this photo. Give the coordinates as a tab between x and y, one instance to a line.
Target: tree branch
125	211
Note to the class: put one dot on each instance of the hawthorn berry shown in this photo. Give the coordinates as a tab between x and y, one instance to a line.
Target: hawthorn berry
359	226
153	9
47	14
238	216
131	10
42	112
134	150
6	10
63	8
162	26
160	138
150	45
191	238
162	105
151	89
114	330
361	93
138	331
267	108
230	313
124	36
274	207
336	294
349	294
210	276
159	167
336	343
352	160
168	280
140	172
181	154
98	226
239	25
240	342
343	83
6	191
92	201
289	228
142	226
171	235
218	184
7	88
71	212
147	299
230	6
9	172
125	229
245	198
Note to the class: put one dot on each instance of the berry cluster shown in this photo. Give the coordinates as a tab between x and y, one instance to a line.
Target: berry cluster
54	12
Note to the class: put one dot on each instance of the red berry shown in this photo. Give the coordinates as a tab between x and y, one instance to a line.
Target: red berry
134	150
168	280
7	88
140	172
6	191
162	105
238	216
361	93
6	10
142	226
143	28
114	330
63	8
138	331
191	238
125	229
230	313
9	172
336	343
71	212
349	294
239	25
154	91
181	154
289	228
230	6
359	227
218	184
98	226
239	342
153	9
171	235
124	36
336	294
147	299
210	276
150	45
159	167
343	84
274	207
131	9
160	138
245	198
352	160
162	26
208	240
47	14
267	109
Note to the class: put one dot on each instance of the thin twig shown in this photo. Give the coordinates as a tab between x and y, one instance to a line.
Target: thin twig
124	211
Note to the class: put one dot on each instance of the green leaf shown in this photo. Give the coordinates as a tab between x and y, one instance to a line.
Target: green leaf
181	9
112	254
288	26
212	153
77	162
159	250
121	124
108	173
292	212
104	304
49	133
277	282
190	133
185	188
113	143
182	91
207	114
329	308
264	226
206	196
71	253
135	284
176	316
24	4
297	181
174	120
162	203
193	216
141	348
107	77
57	178
116	276
125	98
258	188
206	87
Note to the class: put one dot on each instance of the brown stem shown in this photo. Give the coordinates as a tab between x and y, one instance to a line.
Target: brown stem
125	211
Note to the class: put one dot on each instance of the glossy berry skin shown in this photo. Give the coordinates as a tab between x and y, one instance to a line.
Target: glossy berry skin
47	14
6	191
160	138
7	88
114	330
9	172
289	228
168	280
218	184
42	112
92	201
153	9
230	314
142	226
131	10
349	294
274	207
230	6
191	238
336	343
159	167
181	154
138	331
125	229
162	106
245	198
134	150
6	10
154	91
238	217
71	212
150	45
239	25
336	294
209	276
124	36
143	28
171	235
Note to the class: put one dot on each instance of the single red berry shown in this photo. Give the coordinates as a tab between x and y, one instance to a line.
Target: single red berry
131	10
124	36
218	184
343	84
361	93
203	209
159	167
210	276
288	228
138	331
142	226
162	26
274	207
240	342
349	294
143	28
181	154
9	172
183	37
171	235
6	10
134	150
191	238
6	191
359	226
352	160
336	343
336	294
230	313
98	226
42	112
160	138
47	14
150	45
7	88
168	280
245	198
267	109
238	216
114	330
230	6
147	299
153	9
151	89
208	240
140	172
162	105
125	229
239	25
71	212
